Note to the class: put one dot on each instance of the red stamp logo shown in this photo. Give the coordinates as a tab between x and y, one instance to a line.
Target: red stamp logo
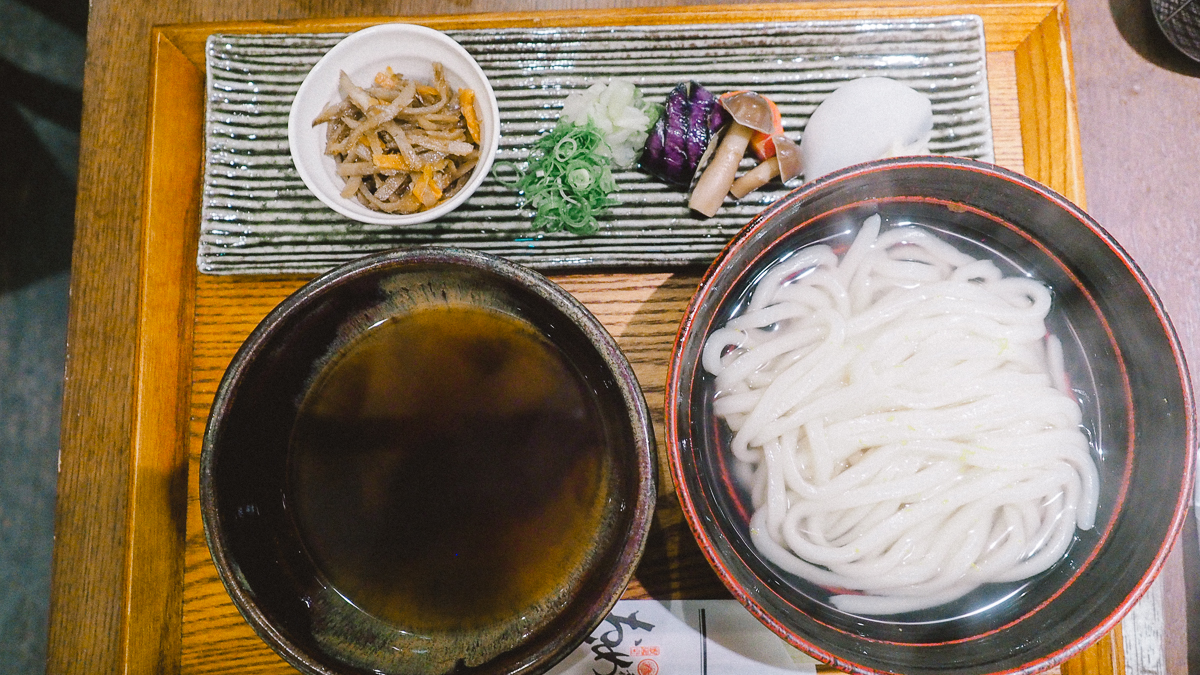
647	667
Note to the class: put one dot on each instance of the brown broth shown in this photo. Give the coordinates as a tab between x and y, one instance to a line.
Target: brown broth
448	470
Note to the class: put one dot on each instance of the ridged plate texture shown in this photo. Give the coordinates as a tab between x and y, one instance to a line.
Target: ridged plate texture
258	217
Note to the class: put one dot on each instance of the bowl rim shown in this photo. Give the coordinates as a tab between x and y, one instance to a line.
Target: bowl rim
644	489
308	161
701	298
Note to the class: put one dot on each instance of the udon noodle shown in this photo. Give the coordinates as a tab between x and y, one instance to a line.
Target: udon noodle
904	419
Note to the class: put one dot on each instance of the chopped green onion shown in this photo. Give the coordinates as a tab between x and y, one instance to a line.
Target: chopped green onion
566	148
576	216
579	179
567	180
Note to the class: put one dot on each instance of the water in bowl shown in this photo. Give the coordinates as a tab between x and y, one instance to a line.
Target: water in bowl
1091	368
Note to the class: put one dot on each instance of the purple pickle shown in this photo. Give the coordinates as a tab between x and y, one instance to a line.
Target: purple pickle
691	117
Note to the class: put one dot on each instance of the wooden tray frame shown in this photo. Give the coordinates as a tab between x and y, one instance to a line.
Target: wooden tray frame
189	325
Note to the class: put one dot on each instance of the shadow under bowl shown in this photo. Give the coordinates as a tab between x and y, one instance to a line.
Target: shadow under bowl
1125	365
251	508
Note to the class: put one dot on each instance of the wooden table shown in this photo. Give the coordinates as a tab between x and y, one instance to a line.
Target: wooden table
122	515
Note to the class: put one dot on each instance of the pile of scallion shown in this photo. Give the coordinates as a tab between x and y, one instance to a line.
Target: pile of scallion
567	180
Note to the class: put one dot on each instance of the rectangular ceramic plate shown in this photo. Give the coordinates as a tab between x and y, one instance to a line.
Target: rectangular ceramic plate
258	217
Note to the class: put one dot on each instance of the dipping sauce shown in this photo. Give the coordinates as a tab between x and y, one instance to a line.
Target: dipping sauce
448	470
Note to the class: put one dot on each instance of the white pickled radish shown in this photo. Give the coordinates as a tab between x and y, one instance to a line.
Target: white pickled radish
620	113
863	120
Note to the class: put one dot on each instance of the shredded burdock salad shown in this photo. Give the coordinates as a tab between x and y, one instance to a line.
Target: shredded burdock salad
401	145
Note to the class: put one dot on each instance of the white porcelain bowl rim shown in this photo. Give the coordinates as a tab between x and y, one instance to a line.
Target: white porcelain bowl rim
411	50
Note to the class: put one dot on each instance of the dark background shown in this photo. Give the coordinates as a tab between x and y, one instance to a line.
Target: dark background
41	76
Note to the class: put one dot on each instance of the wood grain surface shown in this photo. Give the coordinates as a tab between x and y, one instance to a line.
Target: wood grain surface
120	527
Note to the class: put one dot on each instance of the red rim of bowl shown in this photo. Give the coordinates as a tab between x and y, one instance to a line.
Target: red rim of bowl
702	298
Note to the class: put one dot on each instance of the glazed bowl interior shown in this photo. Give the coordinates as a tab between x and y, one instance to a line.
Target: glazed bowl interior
253	509
1123	363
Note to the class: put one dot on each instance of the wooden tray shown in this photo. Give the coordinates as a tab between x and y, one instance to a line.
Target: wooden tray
178	617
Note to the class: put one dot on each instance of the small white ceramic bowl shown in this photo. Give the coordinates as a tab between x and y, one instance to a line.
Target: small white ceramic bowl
410	50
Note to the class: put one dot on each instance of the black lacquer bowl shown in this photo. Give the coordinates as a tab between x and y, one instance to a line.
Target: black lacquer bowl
1130	377
248	507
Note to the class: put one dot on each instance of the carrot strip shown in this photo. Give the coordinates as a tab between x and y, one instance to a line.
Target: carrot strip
466	101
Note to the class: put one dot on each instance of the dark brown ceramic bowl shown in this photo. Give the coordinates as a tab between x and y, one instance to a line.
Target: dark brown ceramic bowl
249	509
1137	402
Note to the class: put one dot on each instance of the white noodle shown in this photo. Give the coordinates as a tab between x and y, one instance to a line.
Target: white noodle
904	420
